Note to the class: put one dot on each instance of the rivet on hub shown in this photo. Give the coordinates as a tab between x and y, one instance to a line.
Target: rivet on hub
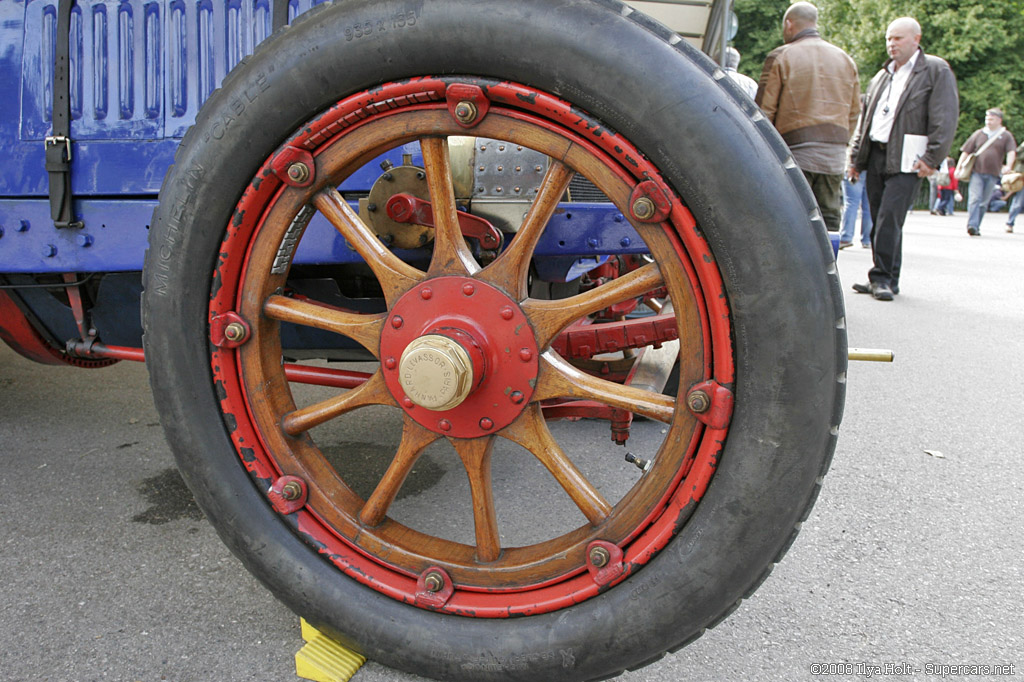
644	208
444	425
468	289
235	332
397	322
698	402
507	313
525	354
516	397
486	424
298	172
433	581
599	557
426	293
291	491
390	363
465	112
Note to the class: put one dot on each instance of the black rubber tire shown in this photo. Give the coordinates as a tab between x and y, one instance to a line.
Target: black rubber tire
751	203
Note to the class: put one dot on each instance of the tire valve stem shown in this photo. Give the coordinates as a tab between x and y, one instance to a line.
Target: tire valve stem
642	464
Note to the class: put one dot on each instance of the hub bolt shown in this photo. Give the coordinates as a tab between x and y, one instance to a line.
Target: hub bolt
525	354
426	293
390	363
397	322
291	491
507	313
444	425
486	424
468	289
235	332
465	112
516	397
434	581
298	172
698	402
599	557
643	208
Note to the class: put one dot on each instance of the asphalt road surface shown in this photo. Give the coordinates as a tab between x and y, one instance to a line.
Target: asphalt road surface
912	556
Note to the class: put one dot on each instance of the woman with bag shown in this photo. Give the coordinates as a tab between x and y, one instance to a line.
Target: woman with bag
982	161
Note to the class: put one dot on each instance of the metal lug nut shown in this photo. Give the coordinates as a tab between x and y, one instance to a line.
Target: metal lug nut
465	112
599	557
644	208
298	172
234	332
698	402
433	581
291	491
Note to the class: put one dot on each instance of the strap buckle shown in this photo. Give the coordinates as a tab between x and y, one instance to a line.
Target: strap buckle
52	140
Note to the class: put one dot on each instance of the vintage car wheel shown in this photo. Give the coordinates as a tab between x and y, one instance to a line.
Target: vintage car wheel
736	244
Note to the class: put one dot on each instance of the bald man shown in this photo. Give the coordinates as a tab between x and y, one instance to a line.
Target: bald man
913	94
810	92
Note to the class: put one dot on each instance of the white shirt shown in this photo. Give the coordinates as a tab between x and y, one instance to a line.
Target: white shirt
885	110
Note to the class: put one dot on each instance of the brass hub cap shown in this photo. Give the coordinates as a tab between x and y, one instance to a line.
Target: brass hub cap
436	372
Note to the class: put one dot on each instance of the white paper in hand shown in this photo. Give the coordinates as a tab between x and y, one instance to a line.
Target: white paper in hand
914	147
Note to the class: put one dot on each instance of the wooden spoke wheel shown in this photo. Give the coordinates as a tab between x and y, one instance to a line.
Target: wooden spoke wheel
464	360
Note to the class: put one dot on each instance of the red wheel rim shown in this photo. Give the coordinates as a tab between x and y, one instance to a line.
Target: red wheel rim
271	432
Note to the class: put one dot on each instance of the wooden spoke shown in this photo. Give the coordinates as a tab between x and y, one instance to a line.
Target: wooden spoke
476	457
531	431
551	317
414	439
451	254
364	329
373	392
510	269
559	379
395	276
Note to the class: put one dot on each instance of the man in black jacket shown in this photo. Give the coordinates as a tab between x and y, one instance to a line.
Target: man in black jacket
913	102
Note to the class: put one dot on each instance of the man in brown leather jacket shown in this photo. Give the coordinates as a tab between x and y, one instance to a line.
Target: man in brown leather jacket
914	94
810	92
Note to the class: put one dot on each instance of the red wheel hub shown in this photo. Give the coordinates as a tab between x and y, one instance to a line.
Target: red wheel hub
464	317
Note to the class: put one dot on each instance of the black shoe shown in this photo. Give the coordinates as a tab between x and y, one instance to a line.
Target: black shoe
974	232
881	291
873	287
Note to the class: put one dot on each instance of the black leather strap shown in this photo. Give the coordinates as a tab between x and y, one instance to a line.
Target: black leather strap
280	17
58	145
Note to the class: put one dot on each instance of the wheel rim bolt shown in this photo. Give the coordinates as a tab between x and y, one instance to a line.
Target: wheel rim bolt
643	208
397	322
486	424
465	111
234	332
698	402
390	363
291	491
468	289
599	557
433	581
426	293
444	425
507	313
516	397
298	172
525	354
407	401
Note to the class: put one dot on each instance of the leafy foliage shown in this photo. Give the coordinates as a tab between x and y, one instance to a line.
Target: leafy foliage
983	42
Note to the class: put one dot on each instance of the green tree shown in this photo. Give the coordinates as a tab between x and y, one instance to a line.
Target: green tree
983	42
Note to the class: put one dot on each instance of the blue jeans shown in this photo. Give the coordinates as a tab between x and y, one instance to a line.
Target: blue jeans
979	192
854	199
946	202
1016	207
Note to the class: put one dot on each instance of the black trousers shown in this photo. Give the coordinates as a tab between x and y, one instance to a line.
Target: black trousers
889	198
